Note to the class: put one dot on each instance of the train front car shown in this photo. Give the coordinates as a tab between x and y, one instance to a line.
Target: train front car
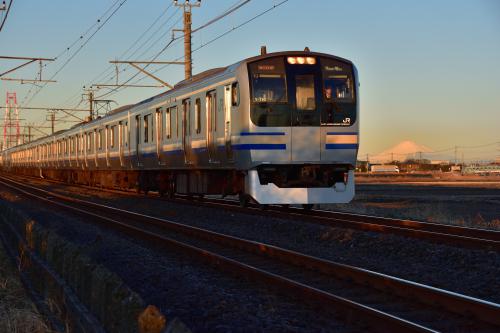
299	142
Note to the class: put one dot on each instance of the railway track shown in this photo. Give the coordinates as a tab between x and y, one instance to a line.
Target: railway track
385	303
474	238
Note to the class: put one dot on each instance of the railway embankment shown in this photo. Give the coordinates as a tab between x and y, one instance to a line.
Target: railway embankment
70	290
18	313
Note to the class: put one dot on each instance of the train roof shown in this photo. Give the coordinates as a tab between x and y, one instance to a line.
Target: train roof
200	77
211	73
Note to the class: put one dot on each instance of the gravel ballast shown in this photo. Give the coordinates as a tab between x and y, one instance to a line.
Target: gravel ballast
471	272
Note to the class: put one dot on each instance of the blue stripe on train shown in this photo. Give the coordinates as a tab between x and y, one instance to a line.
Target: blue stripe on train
261	133
260	146
246	146
341	146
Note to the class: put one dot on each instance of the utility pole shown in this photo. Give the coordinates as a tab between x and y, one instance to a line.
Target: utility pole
91	104
89	94
455	155
186	6
52	121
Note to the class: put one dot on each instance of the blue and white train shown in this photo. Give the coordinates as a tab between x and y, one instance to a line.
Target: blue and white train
278	128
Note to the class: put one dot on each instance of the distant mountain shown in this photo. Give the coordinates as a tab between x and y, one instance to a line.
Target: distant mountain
401	152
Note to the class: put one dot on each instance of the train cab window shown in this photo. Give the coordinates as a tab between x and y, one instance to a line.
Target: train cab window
339	100
268	93
304	92
197	116
269	88
235	94
338	87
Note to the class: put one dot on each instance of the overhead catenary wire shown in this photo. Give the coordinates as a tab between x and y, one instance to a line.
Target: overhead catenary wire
6	15
69	47
113	91
79	49
110	69
81	100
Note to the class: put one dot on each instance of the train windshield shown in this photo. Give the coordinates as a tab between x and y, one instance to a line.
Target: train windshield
339	104
269	102
338	87
288	92
269	88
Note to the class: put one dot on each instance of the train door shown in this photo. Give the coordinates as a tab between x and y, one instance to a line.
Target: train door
159	131
227	121
137	138
120	142
107	143
186	130
212	126
306	135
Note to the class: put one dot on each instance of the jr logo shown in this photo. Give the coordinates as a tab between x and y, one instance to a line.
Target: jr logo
346	121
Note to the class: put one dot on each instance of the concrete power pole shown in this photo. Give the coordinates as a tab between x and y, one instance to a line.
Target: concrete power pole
91	104
188	72
52	121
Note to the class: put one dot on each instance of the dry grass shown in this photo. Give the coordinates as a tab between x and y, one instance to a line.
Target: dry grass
17	313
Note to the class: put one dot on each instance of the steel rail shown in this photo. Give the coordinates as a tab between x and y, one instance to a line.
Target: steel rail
380	320
454	302
474	238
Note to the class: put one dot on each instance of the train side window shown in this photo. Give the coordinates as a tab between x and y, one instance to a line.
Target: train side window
186	110
176	120
113	134
146	128
151	128
197	116
235	94
125	134
160	123
89	141
168	123
100	138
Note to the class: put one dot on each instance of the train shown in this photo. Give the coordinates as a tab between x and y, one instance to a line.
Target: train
275	128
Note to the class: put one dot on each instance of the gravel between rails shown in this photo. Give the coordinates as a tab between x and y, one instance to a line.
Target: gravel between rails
203	298
470	272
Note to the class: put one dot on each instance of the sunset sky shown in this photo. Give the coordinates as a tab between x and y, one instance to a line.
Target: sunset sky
429	70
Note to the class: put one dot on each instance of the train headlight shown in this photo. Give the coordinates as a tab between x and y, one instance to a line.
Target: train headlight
310	60
301	60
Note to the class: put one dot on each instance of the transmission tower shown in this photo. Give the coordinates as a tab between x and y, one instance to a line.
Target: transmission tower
11	134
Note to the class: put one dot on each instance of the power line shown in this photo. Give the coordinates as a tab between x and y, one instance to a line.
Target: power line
207	43
6	14
107	72
225	33
67	49
79	49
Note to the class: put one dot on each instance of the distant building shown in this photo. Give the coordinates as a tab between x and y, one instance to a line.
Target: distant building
440	162
490	169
